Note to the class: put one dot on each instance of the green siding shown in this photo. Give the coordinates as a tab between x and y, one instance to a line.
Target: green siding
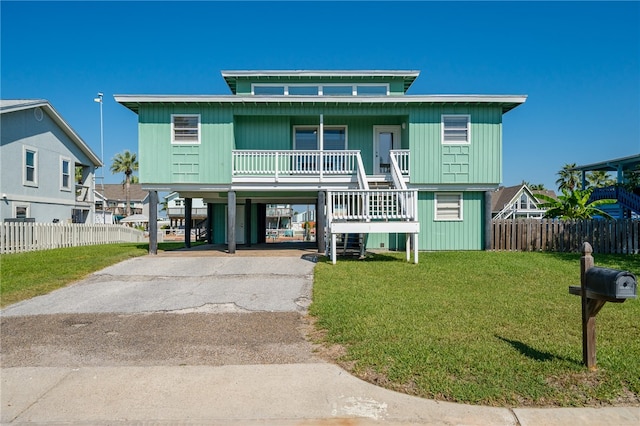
219	223
162	162
478	162
451	235
263	132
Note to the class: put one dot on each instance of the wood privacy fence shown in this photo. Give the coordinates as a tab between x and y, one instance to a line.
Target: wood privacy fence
18	237
605	236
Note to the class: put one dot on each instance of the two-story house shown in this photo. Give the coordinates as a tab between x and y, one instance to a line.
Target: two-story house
47	171
401	171
112	197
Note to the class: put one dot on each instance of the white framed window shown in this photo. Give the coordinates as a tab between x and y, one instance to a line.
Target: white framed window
305	138
30	170
448	206
65	174
21	211
185	129
336	89
456	129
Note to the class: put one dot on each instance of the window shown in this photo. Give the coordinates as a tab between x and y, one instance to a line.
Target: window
373	90
306	138
185	129
303	90
448	206
21	211
30	167
268	90
456	129
337	90
65	176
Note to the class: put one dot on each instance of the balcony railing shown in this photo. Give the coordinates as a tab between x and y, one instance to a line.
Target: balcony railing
402	158
179	211
372	205
294	163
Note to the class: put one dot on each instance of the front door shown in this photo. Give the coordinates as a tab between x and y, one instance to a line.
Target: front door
385	138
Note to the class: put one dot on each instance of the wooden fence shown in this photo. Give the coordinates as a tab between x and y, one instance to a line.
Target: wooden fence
605	236
19	237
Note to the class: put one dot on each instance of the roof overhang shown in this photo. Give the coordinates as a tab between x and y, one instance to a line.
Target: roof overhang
231	77
507	102
624	163
7	106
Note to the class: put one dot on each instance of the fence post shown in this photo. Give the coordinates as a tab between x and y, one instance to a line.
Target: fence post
588	318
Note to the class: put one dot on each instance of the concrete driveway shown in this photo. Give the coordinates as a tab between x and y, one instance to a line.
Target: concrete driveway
183	284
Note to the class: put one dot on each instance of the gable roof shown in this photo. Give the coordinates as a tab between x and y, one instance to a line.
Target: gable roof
504	196
14	105
115	191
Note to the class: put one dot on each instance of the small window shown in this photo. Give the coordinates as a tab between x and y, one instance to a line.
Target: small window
185	129
30	167
65	166
22	212
455	129
448	207
303	90
372	90
268	90
337	90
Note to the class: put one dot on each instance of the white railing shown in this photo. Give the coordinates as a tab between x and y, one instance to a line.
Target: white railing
276	163
17	237
402	158
363	183
371	205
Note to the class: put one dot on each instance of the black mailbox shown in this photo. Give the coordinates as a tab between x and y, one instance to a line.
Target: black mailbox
611	283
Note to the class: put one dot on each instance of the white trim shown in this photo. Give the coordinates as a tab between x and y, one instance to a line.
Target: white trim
71	177
396	130
442	118
174	142
14	208
460	207
25	182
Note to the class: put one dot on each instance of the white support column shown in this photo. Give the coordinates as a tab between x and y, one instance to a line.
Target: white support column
415	248
321	145
408	246
333	248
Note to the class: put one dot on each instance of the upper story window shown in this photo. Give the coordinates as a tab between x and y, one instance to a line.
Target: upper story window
30	176
306	138
456	129
65	174
448	206
185	128
374	89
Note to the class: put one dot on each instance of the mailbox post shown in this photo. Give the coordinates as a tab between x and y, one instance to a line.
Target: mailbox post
597	287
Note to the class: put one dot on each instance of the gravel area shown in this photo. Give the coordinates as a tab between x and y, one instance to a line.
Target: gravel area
76	340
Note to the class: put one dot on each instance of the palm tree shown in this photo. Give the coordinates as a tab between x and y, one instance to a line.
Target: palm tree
536	187
569	178
126	163
599	179
573	205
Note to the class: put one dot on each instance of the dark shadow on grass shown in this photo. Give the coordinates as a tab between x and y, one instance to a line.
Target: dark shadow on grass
533	353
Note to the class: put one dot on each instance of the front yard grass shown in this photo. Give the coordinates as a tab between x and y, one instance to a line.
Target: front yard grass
30	274
494	328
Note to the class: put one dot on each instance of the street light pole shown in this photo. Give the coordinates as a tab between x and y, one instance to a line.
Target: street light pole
104	196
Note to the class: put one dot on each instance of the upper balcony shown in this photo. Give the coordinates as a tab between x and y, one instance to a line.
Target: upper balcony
313	167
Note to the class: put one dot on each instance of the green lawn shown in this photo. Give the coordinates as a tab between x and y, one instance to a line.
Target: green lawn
25	275
496	328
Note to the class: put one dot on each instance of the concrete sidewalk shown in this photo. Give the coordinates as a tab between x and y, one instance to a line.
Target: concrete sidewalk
293	394
80	355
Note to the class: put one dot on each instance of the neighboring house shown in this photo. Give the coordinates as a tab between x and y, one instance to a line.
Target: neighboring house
626	192
176	209
518	202
39	155
279	216
375	161
114	200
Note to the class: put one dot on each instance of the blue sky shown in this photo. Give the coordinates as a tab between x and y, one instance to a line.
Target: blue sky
578	62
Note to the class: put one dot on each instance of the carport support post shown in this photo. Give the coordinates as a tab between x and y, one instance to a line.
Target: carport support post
210	222
153	222
187	222
588	318
247	222
231	221
320	221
